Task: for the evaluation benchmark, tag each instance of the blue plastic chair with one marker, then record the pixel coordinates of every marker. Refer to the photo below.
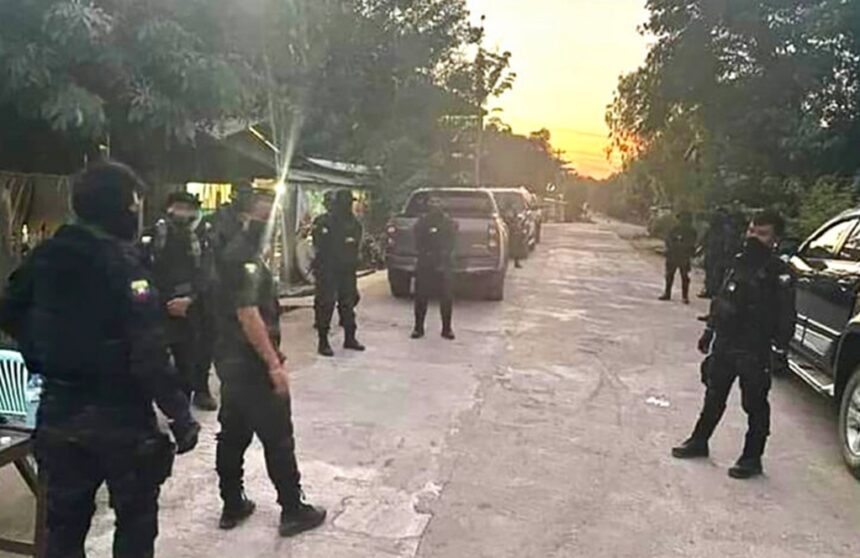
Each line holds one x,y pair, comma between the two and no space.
14,400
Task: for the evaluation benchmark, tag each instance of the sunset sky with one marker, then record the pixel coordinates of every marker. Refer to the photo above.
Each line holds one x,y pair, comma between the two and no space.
568,55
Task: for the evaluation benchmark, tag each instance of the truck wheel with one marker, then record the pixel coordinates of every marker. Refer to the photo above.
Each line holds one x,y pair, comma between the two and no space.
849,424
496,286
400,282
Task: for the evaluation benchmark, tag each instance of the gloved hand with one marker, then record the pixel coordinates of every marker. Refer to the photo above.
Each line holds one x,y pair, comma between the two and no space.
705,341
186,434
778,362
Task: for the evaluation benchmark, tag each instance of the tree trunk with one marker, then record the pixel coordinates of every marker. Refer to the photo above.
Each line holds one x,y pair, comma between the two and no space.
7,257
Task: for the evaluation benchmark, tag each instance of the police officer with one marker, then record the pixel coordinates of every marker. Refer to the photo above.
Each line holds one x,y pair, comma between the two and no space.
206,333
753,312
176,256
435,240
680,249
716,252
86,314
337,239
519,246
255,388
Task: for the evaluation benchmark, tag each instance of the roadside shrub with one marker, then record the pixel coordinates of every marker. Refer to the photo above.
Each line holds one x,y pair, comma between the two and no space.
828,197
660,226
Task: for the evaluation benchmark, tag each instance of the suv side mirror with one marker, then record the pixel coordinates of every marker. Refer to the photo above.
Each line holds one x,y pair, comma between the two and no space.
788,247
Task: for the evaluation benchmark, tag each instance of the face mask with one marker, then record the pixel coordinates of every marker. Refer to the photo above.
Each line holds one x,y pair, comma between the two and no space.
181,220
755,250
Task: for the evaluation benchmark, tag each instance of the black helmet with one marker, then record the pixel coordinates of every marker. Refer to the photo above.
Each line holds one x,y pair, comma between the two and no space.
183,197
343,200
106,195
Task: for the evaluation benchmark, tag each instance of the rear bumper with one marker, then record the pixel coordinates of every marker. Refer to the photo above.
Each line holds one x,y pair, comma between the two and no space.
469,266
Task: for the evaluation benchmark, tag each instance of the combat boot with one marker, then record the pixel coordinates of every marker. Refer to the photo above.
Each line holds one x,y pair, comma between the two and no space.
691,449
234,513
300,518
746,469
324,347
350,342
418,333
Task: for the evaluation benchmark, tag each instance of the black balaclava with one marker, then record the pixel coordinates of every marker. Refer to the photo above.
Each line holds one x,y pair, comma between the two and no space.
342,204
103,195
755,250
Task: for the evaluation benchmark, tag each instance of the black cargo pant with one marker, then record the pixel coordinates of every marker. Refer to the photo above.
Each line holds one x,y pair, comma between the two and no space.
719,373
204,344
250,407
182,339
431,282
715,270
134,465
336,288
673,266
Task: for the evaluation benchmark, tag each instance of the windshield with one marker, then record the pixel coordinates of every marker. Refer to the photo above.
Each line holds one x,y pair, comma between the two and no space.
510,199
457,204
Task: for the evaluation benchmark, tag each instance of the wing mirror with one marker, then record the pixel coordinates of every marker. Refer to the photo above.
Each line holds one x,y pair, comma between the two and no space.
788,247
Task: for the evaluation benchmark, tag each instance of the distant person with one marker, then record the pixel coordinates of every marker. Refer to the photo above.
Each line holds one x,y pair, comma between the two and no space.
176,254
435,242
337,239
87,316
255,382
680,249
717,251
518,237
753,312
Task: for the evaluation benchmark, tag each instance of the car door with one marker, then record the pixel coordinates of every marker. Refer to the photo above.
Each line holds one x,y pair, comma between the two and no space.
827,270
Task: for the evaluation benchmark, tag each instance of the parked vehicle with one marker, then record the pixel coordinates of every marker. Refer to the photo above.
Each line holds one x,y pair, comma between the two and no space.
826,346
527,207
482,243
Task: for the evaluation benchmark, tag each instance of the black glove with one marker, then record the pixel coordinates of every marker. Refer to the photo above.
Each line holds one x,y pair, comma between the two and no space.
778,361
705,341
186,434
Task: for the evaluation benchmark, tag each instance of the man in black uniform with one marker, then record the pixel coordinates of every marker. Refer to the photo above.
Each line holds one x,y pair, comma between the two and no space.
753,313
88,319
337,239
717,256
518,243
680,249
255,388
435,240
176,255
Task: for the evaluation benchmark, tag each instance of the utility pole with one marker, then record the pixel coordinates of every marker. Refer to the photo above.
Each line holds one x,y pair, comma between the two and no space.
481,96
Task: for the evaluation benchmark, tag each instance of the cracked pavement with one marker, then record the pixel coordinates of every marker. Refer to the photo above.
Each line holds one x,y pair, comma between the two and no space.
543,431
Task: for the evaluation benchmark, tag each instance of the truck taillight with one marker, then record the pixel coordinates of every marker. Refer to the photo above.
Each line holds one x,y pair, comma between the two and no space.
493,236
392,232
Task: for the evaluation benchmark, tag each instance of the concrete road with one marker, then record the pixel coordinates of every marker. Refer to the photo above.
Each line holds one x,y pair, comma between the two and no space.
543,431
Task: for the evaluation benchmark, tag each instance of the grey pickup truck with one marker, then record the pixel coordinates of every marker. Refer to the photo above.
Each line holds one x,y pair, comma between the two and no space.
482,241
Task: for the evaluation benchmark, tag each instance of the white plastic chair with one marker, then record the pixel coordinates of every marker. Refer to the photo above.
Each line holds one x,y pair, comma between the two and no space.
14,402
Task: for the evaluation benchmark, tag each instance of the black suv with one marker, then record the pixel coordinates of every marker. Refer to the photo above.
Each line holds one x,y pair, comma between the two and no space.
826,346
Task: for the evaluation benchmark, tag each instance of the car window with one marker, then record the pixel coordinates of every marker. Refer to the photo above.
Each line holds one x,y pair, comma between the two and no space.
456,204
851,249
510,199
827,243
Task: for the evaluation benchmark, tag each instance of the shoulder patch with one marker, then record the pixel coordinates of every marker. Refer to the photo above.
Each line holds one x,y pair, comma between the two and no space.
141,289
251,268
785,279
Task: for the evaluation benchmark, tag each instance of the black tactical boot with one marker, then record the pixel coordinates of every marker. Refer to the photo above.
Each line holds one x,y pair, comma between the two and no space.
418,333
204,401
324,347
303,517
448,334
350,342
746,469
691,449
234,513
